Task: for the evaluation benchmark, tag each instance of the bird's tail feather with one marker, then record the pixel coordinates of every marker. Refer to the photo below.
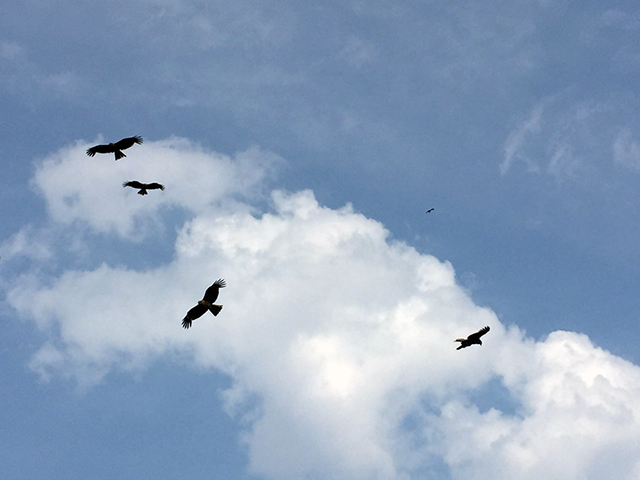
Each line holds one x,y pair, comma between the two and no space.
119,154
215,309
142,192
459,339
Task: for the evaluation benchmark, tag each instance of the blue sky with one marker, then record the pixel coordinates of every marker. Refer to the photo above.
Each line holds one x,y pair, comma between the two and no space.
300,146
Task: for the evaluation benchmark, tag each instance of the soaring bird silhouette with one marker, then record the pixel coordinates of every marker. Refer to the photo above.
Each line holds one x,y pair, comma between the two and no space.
143,186
115,147
210,296
430,210
473,339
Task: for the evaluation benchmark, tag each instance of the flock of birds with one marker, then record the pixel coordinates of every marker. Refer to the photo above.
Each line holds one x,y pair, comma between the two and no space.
211,294
116,149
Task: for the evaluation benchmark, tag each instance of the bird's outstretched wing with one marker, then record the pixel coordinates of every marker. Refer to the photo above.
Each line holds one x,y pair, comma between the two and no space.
194,313
128,142
478,334
211,294
154,186
134,184
100,149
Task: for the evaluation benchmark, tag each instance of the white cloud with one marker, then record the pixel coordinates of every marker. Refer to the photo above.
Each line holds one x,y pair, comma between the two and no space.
80,188
337,339
578,419
29,244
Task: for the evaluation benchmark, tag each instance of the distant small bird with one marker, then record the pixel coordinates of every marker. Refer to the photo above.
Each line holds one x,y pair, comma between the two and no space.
143,186
115,147
473,339
210,296
430,210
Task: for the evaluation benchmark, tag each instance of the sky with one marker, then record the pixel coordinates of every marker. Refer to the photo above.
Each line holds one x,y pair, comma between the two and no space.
301,144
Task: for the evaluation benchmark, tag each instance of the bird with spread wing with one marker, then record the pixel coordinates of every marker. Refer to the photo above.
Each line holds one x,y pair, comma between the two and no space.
143,186
210,296
115,148
473,339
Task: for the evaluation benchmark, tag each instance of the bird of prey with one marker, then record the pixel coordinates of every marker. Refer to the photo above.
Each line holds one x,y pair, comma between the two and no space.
473,339
430,210
143,186
115,148
205,304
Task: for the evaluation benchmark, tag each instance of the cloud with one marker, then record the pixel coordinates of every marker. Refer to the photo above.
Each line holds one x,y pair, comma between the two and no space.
577,419
29,244
337,339
569,138
516,140
22,75
73,185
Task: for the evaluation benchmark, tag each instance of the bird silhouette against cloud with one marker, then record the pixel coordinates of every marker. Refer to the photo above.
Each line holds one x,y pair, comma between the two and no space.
473,339
210,296
116,148
143,186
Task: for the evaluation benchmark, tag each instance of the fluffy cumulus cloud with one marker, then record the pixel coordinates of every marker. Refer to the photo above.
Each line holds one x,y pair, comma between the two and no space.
78,188
337,339
577,418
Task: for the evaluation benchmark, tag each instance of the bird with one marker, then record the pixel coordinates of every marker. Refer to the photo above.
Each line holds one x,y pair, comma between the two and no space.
210,296
115,148
143,186
430,210
473,339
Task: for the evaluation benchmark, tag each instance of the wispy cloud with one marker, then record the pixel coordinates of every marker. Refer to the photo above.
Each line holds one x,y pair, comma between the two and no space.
570,138
626,151
22,74
517,138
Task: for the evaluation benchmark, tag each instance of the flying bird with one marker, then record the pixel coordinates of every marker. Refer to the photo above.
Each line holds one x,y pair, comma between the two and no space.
143,186
115,148
473,339
430,210
205,304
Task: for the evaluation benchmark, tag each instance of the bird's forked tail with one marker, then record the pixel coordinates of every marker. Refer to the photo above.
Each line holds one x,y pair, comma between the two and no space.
215,309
